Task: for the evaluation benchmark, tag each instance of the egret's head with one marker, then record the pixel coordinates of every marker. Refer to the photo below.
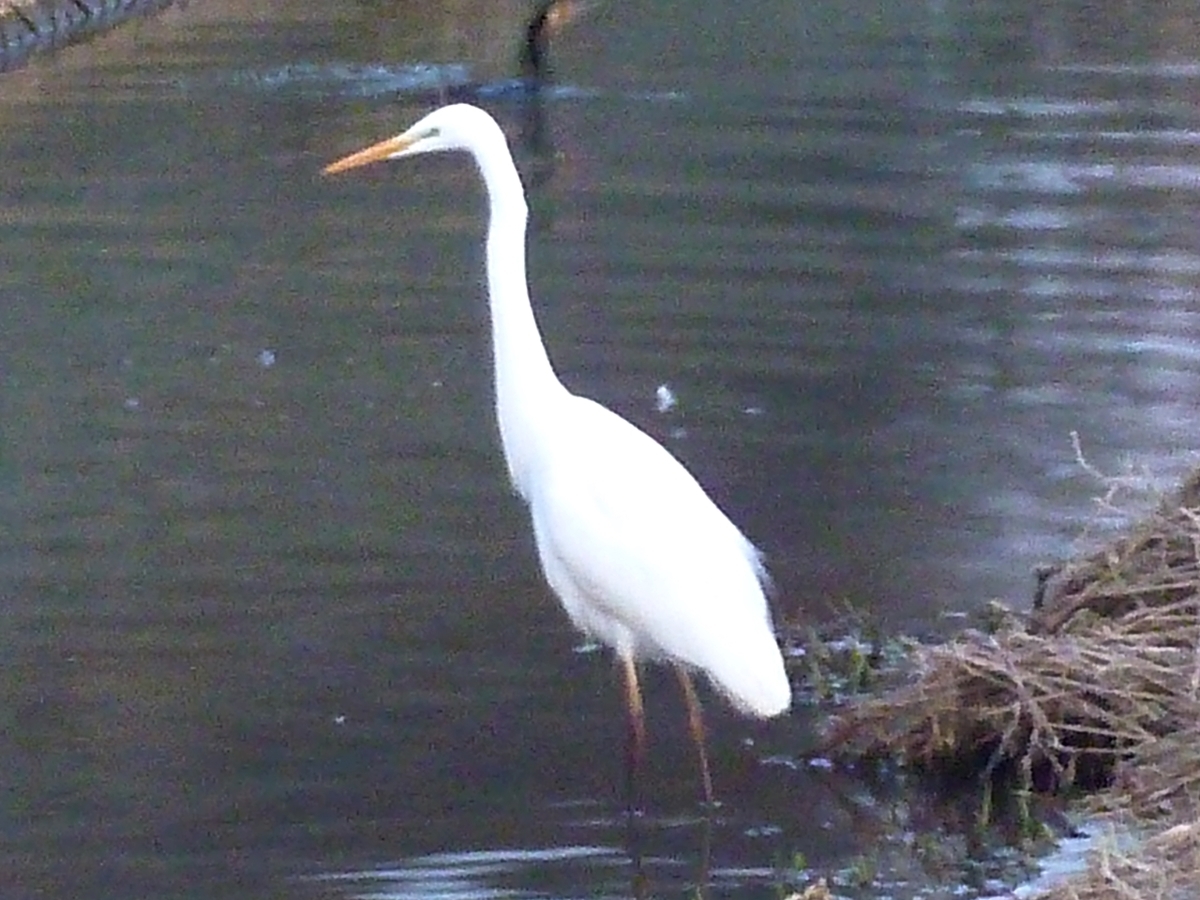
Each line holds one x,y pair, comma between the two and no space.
457,127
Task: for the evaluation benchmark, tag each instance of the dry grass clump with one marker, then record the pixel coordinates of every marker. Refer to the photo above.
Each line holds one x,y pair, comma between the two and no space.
1062,708
1165,866
1100,688
1156,564
1107,667
1161,781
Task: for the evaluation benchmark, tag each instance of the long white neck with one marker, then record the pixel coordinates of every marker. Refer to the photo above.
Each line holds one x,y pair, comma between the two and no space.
526,386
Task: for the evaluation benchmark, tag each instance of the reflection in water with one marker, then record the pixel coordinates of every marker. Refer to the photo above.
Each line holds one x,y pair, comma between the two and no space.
438,83
561,871
345,79
487,874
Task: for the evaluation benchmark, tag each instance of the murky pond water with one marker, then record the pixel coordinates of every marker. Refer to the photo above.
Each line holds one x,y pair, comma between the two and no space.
271,622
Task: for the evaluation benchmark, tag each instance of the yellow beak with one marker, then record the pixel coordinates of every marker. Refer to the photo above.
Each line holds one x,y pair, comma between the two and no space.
371,154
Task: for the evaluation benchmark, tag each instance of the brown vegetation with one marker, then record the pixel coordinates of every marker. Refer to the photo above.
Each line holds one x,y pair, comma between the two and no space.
1098,690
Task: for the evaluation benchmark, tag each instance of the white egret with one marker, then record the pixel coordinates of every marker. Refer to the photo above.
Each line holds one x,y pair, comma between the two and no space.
640,557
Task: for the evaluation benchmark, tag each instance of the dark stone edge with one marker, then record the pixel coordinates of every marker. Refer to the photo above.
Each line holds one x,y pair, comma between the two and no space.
33,26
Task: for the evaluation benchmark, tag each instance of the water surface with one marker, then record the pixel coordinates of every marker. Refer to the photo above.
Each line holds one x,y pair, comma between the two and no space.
272,623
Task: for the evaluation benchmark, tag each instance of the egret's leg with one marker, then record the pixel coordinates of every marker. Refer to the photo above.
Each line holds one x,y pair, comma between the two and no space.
696,724
636,749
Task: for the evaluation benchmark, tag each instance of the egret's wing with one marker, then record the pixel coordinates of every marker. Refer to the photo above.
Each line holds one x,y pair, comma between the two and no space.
627,535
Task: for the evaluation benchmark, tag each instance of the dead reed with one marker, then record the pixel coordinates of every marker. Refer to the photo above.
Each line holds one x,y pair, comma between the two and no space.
1097,689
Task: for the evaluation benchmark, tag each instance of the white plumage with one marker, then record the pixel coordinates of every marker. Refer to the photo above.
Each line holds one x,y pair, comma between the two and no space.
640,557
644,561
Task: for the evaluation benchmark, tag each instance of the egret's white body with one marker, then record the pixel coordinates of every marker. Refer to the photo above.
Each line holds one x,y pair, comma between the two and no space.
645,562
640,557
